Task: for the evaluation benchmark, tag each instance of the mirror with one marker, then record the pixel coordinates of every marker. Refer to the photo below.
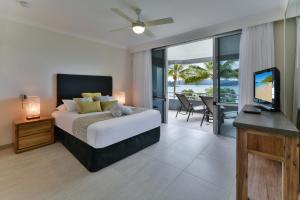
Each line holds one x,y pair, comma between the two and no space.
292,59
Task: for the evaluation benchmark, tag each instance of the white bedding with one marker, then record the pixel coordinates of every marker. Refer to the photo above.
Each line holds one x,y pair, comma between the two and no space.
104,133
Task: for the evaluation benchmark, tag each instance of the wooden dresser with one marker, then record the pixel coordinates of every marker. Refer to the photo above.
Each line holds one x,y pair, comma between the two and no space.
267,160
31,134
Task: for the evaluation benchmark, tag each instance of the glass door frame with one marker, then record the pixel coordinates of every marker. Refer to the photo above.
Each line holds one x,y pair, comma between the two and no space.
163,98
216,80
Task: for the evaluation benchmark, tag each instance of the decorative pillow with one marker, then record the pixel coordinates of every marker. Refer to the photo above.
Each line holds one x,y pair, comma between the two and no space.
116,111
85,99
126,110
62,107
107,105
92,95
79,100
103,98
88,107
70,105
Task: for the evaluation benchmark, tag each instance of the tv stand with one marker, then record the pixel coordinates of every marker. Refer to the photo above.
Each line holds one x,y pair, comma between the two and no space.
267,160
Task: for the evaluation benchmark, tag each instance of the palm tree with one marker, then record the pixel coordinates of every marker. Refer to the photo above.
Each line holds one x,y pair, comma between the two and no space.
226,70
176,71
195,74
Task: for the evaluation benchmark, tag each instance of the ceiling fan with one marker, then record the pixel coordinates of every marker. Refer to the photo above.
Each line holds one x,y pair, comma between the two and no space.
138,26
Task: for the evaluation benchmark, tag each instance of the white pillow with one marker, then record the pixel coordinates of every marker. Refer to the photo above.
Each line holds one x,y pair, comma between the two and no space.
62,107
70,105
104,98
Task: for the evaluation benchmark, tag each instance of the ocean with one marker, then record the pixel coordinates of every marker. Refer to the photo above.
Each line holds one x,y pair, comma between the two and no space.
199,88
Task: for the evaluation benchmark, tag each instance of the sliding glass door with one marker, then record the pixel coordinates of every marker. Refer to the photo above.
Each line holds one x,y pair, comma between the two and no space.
159,82
226,82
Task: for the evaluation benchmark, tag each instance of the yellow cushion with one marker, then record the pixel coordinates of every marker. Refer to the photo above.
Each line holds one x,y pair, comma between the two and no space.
88,107
107,105
92,95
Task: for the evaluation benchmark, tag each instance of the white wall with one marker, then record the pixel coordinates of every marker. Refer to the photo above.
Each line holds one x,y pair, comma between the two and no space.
30,57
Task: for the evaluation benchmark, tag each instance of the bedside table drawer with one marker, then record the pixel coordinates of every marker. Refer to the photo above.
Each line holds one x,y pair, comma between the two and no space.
34,128
33,140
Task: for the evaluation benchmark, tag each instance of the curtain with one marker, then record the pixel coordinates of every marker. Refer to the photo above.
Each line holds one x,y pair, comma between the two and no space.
256,53
142,79
297,74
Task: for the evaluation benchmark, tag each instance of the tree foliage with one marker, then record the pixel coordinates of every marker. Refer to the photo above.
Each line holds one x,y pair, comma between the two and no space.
194,73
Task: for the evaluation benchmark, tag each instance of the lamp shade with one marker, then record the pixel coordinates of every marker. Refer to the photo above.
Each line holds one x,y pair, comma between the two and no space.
138,29
120,96
32,107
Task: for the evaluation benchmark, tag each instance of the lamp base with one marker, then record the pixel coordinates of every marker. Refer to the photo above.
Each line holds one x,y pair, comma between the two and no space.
33,117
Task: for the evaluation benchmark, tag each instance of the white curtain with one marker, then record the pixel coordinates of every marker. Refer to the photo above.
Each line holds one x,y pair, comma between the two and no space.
142,79
256,53
297,74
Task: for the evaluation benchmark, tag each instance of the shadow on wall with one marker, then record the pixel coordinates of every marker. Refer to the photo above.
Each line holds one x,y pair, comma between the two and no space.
10,109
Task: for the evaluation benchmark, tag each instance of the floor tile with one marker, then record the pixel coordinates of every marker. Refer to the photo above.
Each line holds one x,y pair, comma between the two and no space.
148,183
213,171
188,187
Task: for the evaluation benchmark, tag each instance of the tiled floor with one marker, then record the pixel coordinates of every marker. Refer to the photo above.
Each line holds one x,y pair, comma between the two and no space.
186,164
226,128
194,121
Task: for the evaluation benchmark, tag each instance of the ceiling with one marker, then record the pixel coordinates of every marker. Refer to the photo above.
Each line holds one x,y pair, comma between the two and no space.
93,19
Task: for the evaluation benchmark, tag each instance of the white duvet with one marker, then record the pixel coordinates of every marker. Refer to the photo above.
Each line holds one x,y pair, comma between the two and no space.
104,133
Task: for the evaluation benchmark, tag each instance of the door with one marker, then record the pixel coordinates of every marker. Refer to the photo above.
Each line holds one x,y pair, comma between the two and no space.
226,88
159,82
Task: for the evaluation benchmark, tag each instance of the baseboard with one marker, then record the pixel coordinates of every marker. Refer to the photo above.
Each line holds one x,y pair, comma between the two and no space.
5,146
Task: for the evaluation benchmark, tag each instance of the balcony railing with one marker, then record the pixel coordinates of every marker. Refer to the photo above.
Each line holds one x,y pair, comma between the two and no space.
224,97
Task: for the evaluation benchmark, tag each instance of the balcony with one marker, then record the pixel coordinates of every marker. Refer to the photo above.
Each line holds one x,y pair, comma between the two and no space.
230,113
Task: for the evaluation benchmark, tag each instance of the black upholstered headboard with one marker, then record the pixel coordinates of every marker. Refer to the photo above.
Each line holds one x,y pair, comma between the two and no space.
71,86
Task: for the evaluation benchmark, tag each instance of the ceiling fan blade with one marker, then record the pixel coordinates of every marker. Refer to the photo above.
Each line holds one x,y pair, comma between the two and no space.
120,29
121,14
168,20
149,33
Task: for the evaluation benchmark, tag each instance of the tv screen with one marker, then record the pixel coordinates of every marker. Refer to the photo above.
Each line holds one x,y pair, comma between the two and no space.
264,86
267,88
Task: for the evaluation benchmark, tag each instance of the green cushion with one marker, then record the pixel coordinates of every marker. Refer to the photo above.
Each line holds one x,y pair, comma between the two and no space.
88,107
107,105
92,95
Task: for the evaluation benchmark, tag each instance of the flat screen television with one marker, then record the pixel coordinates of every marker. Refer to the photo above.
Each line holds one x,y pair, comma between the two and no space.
267,89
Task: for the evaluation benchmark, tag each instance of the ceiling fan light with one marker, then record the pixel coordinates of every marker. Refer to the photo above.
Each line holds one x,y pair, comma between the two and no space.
138,28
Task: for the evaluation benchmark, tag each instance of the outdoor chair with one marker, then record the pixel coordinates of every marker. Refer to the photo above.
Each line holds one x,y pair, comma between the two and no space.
186,105
209,109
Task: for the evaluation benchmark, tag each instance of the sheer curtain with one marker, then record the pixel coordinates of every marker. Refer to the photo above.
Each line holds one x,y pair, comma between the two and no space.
297,74
142,79
256,53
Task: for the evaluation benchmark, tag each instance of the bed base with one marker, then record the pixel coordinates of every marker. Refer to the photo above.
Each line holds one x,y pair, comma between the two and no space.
95,159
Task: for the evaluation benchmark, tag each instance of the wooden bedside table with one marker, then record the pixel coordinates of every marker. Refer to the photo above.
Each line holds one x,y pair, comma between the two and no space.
31,134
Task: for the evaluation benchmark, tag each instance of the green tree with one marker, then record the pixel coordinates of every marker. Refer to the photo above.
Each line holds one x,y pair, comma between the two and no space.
227,95
195,74
226,70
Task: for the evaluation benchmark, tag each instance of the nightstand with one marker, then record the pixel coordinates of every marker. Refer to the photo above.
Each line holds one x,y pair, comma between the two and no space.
31,134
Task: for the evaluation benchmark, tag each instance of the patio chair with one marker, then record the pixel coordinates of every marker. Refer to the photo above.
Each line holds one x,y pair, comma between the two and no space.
186,105
209,109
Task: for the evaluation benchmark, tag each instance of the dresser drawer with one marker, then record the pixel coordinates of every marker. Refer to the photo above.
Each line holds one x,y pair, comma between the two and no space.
36,139
35,128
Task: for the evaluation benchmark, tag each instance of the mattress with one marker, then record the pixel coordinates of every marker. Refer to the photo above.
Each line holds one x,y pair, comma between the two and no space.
104,133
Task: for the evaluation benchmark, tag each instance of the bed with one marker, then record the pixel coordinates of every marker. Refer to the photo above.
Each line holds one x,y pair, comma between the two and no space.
106,141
